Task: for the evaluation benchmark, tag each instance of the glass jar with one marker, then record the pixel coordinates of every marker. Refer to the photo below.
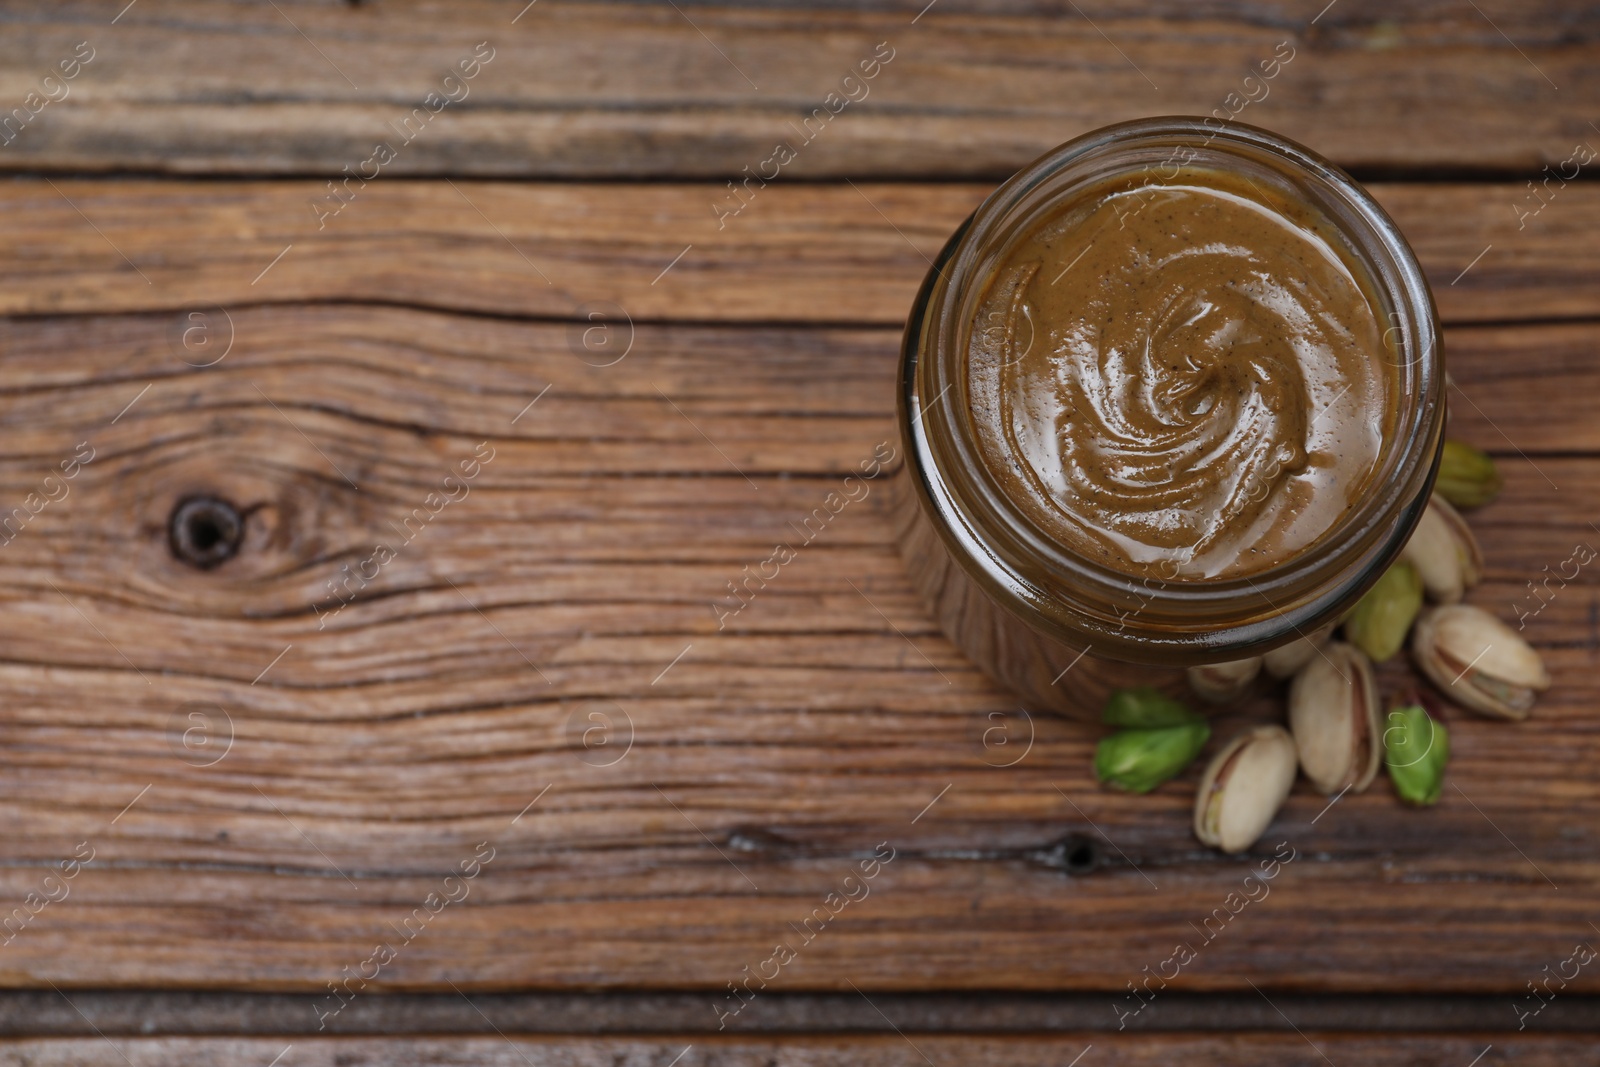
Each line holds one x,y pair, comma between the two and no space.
1054,626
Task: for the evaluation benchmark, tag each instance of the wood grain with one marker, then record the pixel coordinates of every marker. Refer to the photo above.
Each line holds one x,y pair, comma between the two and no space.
851,253
260,782
375,748
637,90
44,1012
1242,1050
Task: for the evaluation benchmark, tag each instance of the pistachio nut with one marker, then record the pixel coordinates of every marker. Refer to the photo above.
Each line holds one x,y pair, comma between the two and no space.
1146,708
1286,661
1444,552
1478,661
1243,788
1416,748
1221,682
1140,760
1333,714
1467,477
1381,619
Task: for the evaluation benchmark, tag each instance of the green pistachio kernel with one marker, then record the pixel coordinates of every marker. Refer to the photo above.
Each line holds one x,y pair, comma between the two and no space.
1145,708
1416,749
1467,477
1381,620
1140,760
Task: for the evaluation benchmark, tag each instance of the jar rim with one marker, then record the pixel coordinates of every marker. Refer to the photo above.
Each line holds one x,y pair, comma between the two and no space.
1088,604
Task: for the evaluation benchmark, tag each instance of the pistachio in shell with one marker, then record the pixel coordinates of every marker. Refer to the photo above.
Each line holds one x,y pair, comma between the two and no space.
1285,661
1219,683
1243,788
1467,478
1444,552
1381,619
1333,714
1478,661
1416,748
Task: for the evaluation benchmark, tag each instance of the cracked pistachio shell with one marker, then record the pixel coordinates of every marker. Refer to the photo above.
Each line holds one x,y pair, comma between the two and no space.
1333,714
1478,661
1444,552
1467,477
1221,682
1381,619
1416,749
1243,788
1286,660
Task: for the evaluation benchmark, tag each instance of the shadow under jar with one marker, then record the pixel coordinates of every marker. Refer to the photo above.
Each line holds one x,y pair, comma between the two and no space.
1173,395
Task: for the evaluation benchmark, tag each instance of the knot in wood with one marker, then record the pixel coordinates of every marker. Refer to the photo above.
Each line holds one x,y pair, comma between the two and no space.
204,531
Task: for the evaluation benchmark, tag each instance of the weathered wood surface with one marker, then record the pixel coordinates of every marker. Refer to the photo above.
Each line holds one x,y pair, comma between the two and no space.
915,1050
46,1012
850,253
647,90
259,789
767,762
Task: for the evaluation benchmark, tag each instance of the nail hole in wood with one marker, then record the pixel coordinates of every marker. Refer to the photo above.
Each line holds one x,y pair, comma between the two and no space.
1082,856
1076,855
204,531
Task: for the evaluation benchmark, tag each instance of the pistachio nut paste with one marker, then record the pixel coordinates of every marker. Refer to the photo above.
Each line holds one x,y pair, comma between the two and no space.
1180,378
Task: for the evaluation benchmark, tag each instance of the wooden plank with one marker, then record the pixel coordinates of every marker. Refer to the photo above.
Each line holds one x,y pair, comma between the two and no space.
1241,1050
798,253
1537,378
44,1012
375,747
636,90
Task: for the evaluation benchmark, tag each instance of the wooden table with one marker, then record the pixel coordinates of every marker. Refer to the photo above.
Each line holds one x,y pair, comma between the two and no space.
507,783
